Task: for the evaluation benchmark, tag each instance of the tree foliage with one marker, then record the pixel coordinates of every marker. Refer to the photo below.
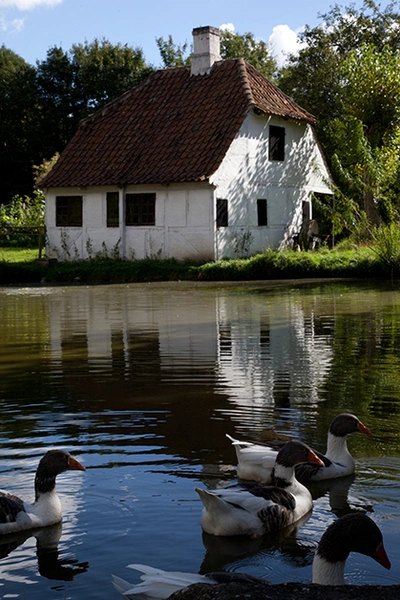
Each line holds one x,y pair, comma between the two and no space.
40,108
21,144
173,55
75,83
232,45
255,52
347,74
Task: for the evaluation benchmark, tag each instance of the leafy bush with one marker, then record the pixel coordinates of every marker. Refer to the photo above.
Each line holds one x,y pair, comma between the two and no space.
386,244
19,217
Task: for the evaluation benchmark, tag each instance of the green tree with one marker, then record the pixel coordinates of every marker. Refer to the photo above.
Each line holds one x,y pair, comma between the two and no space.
255,52
173,55
366,139
77,82
313,77
21,143
232,45
346,74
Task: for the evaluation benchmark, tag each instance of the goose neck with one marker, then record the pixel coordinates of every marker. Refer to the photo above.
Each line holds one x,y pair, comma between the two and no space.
327,573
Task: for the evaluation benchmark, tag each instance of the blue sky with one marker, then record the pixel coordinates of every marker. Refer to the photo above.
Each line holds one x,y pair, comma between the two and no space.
31,27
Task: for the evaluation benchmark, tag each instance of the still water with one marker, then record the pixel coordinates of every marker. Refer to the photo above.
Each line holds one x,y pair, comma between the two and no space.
142,382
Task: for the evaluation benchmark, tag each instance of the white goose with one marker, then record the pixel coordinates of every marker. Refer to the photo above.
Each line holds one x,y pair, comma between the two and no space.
256,461
351,533
17,515
253,509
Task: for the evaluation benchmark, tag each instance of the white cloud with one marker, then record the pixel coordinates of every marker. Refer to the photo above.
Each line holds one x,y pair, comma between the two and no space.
27,4
283,41
14,26
228,27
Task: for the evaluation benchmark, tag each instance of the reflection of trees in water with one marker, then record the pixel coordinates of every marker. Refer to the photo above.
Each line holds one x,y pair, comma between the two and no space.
51,564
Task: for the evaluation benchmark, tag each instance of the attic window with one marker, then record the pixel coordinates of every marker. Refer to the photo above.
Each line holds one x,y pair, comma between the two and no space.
276,143
140,209
68,211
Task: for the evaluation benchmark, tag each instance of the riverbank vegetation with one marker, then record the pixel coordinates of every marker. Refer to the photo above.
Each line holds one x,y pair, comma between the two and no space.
377,261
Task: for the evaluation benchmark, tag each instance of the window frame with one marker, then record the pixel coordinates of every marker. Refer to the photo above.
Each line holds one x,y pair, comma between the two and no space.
276,143
140,209
71,214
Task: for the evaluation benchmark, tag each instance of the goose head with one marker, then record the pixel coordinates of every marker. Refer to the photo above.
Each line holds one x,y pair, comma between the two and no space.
346,423
354,532
292,454
52,464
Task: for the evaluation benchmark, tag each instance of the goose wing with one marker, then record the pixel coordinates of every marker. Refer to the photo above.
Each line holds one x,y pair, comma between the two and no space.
273,493
10,506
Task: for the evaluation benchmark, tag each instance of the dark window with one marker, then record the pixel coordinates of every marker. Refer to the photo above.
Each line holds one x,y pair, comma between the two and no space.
68,211
140,209
222,212
276,143
306,210
262,215
112,209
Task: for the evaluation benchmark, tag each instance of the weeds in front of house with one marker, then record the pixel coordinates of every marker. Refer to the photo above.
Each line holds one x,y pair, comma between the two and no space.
363,262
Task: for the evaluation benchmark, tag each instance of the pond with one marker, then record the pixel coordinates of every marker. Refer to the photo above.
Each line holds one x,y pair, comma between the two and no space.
142,382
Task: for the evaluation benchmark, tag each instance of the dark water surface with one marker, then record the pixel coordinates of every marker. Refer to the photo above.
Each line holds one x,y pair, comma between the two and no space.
141,383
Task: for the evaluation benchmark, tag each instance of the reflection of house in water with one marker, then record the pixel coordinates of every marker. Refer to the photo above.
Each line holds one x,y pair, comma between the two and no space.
257,349
270,351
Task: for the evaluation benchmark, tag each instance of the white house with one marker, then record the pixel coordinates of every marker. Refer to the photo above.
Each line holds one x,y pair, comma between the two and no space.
199,163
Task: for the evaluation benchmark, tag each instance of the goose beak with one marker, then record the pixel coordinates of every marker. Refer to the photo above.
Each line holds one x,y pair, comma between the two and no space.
362,429
381,557
313,458
74,465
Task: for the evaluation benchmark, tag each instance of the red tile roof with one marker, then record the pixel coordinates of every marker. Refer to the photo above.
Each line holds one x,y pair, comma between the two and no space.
173,127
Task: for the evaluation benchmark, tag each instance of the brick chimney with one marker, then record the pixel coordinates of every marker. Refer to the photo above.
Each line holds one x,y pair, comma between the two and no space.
205,49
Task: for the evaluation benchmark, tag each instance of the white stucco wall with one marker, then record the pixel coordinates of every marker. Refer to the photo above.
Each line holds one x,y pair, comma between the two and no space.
184,225
246,175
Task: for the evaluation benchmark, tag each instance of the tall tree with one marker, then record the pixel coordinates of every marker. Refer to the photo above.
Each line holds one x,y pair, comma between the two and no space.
83,79
366,138
345,74
21,143
313,76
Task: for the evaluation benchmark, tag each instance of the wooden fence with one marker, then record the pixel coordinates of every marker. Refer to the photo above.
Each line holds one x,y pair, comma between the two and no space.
9,233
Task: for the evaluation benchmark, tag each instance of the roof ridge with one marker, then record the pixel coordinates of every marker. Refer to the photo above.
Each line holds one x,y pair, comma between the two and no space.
246,83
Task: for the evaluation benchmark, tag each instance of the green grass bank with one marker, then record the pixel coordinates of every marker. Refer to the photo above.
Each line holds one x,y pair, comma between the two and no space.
22,266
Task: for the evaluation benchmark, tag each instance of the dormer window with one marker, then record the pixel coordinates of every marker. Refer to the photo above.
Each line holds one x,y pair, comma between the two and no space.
276,143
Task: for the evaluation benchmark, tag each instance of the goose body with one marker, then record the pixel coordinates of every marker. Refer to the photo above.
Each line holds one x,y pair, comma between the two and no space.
351,533
251,509
18,515
256,461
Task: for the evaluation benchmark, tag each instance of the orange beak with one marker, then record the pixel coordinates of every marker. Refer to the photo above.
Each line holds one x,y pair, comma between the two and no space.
381,557
313,458
362,429
74,465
